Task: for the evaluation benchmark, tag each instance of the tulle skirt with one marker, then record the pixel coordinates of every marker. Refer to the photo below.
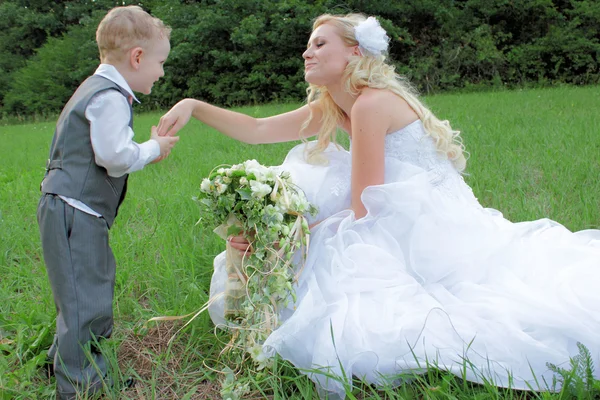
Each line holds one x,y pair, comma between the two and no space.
429,278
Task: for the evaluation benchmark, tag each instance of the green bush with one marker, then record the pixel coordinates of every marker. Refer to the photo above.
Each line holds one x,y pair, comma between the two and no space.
48,80
233,52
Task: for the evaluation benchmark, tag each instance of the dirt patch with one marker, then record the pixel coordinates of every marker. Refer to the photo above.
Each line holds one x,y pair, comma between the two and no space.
160,367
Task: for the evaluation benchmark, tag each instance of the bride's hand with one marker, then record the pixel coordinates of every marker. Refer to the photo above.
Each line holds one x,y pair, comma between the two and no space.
176,118
241,244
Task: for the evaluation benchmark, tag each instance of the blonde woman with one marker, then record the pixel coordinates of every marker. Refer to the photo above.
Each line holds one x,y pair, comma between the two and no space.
405,267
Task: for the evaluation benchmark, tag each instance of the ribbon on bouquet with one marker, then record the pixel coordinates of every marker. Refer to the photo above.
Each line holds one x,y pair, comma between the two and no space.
235,286
178,317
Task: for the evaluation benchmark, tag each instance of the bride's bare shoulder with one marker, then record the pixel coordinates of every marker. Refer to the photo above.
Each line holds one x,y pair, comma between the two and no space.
385,101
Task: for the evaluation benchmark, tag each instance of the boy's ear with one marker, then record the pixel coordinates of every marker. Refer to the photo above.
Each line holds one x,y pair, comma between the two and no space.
135,57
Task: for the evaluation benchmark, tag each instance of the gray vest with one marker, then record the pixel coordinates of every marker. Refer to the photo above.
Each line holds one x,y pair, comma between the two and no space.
71,170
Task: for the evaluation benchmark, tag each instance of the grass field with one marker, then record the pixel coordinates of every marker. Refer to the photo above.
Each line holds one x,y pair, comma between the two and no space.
533,154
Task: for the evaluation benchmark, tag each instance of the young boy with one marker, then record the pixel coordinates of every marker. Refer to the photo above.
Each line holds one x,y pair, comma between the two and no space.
91,155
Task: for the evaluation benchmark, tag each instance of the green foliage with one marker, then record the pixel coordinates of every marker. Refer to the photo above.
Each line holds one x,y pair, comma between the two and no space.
579,380
233,52
25,354
25,25
49,78
22,30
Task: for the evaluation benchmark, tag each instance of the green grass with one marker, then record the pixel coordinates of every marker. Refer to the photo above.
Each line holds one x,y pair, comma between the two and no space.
533,154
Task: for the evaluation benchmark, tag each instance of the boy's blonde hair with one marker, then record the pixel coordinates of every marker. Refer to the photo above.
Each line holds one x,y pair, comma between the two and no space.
373,71
126,27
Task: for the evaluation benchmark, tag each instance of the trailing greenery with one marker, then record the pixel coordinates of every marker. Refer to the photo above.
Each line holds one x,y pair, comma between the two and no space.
234,52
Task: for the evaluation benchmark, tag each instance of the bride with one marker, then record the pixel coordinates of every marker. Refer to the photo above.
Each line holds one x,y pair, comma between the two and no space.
405,268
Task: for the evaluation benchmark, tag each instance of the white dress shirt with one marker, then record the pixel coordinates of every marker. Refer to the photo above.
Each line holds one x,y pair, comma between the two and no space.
111,136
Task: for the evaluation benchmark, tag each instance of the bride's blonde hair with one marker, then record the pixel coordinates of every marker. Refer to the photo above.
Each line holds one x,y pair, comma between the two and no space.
372,71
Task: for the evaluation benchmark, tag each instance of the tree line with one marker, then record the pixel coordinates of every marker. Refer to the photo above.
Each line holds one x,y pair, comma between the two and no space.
233,52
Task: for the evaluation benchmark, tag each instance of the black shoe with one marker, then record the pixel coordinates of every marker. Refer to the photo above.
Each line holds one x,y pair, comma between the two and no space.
128,383
48,368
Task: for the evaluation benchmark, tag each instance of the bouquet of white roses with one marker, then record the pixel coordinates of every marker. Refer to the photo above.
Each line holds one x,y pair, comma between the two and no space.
263,204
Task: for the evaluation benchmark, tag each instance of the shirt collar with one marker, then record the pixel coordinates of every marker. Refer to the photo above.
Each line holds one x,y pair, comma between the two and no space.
111,73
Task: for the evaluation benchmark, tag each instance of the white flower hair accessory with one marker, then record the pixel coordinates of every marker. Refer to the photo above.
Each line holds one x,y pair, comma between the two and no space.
371,37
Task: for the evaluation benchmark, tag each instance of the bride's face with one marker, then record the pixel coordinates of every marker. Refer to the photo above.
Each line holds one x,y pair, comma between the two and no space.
326,56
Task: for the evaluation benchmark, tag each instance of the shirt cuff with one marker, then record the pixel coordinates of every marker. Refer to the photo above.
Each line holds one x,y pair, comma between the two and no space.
149,150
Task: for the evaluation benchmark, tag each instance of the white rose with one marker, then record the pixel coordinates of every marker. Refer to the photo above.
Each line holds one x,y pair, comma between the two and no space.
221,187
205,185
251,164
259,173
259,190
270,174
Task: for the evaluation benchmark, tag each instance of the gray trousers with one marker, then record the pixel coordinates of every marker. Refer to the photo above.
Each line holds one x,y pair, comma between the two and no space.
81,269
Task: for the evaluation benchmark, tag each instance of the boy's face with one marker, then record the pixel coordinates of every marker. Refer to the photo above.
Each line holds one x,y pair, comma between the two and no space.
150,65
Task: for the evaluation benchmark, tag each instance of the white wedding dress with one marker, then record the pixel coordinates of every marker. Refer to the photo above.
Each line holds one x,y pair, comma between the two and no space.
430,277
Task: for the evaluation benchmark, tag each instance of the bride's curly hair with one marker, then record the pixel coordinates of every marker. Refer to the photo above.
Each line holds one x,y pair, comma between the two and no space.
373,71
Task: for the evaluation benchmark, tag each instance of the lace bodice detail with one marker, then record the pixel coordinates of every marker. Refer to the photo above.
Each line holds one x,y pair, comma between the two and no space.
412,145
410,155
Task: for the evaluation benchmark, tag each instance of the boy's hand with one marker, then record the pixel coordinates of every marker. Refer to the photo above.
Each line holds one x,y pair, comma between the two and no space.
175,118
166,143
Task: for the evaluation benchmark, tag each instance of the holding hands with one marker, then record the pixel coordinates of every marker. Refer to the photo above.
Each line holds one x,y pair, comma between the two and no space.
169,125
166,143
176,118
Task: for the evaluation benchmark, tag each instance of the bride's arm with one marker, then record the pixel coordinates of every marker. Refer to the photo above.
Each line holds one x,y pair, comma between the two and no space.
370,122
278,128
